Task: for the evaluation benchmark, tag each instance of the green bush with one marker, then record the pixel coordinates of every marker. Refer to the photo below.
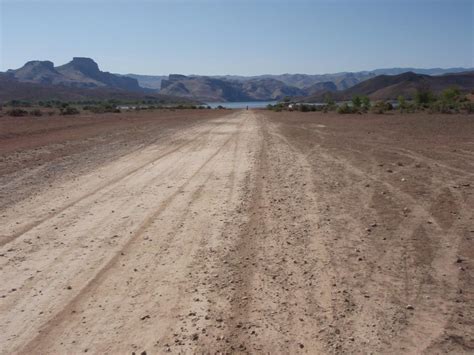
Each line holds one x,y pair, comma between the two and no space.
277,107
346,108
36,112
365,103
304,108
360,103
381,107
17,112
68,110
467,107
102,108
451,95
357,101
424,96
18,103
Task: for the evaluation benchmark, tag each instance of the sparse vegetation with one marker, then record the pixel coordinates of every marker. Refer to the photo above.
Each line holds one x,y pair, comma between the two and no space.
17,112
69,110
380,107
36,112
102,108
345,108
424,97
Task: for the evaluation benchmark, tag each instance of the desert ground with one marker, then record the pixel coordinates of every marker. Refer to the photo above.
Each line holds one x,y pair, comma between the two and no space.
228,231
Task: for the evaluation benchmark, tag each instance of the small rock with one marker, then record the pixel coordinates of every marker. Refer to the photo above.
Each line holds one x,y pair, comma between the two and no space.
410,307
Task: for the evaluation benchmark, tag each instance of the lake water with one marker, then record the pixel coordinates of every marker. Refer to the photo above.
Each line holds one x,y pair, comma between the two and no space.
241,105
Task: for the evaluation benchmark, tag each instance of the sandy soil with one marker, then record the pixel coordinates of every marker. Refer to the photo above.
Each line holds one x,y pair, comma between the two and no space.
237,232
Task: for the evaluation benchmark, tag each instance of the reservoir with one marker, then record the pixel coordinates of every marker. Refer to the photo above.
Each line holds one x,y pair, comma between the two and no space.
242,105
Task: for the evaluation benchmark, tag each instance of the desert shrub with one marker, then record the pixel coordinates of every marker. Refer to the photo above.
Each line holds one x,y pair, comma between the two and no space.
424,96
17,112
102,108
467,107
69,110
328,99
19,103
365,101
346,108
402,103
451,95
36,112
357,101
404,106
381,107
304,108
360,103
277,107
450,101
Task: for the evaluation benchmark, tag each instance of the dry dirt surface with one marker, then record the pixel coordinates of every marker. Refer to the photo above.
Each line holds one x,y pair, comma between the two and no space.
237,232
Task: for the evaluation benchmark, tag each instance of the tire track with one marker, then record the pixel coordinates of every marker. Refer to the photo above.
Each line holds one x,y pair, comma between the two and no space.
106,185
101,274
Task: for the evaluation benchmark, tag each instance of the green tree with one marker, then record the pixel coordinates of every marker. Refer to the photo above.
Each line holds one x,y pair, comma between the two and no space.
402,103
328,99
451,95
424,96
365,101
356,101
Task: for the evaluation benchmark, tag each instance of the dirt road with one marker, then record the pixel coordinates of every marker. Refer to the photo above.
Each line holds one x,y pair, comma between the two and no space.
237,231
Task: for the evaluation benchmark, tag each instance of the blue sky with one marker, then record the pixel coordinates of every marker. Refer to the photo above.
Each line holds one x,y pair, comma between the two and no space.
239,37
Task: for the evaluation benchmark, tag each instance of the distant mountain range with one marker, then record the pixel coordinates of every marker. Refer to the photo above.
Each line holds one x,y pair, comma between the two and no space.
343,80
12,89
79,73
82,78
212,89
392,86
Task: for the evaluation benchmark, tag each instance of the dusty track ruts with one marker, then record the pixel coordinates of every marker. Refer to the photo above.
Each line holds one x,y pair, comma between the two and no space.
253,232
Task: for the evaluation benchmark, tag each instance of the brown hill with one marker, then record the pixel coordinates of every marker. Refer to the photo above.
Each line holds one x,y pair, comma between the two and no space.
211,89
80,73
391,86
12,89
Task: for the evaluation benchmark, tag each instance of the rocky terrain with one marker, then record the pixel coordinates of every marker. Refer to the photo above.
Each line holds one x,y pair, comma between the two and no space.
217,90
385,87
12,89
84,73
210,231
80,73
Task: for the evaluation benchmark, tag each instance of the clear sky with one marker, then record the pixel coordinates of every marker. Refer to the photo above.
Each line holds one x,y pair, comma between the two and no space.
239,37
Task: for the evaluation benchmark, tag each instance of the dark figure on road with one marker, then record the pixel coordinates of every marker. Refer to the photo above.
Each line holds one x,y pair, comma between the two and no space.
247,108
